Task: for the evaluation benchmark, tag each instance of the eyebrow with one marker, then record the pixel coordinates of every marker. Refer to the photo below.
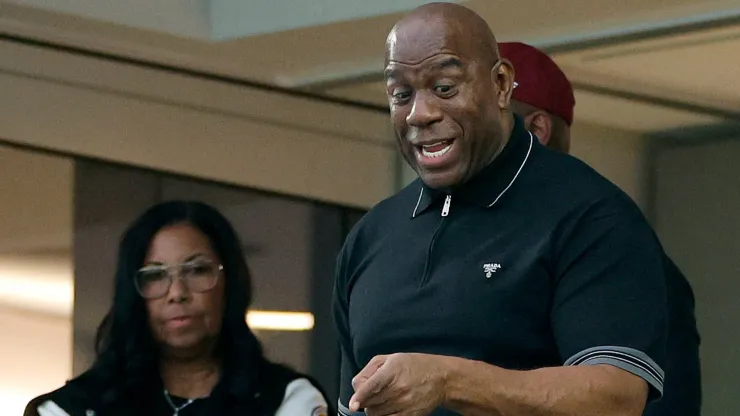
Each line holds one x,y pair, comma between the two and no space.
448,63
453,63
196,256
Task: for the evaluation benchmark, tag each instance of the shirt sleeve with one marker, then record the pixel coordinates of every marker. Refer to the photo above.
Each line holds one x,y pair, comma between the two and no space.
302,398
609,304
340,306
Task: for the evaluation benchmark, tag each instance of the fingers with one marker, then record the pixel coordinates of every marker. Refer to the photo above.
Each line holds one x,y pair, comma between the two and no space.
368,371
370,392
369,384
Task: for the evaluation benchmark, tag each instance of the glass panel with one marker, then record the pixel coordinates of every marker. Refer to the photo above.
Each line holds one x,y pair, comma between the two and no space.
107,199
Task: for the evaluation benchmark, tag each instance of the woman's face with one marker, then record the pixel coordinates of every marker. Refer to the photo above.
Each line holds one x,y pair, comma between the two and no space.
185,318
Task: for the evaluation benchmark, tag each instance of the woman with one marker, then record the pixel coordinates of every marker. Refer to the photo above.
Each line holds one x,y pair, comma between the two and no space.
175,341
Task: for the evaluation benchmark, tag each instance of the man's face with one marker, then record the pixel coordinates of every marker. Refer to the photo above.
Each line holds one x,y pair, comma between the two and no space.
445,102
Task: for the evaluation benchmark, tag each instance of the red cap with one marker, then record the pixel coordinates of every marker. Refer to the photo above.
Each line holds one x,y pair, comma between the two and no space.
539,81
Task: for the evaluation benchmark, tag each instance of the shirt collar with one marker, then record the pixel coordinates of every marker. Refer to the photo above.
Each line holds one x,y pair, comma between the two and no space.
489,185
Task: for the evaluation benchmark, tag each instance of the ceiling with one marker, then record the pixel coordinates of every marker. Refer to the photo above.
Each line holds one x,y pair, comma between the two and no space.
661,82
644,65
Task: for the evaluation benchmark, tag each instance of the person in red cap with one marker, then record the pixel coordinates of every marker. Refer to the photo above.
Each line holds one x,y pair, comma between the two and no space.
543,96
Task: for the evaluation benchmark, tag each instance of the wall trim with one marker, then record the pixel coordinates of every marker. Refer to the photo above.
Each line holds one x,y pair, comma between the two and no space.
155,119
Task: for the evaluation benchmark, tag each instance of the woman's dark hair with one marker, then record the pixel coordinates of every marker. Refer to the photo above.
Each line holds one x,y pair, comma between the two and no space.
127,356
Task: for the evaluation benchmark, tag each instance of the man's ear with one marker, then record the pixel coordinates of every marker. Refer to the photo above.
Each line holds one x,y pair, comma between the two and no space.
502,76
540,124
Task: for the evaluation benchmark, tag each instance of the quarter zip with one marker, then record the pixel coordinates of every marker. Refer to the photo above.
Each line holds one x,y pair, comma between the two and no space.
446,206
435,236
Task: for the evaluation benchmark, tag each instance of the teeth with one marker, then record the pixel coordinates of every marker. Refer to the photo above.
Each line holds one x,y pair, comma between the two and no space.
438,153
436,144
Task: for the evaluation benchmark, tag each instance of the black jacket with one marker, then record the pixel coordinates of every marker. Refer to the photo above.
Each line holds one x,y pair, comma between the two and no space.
260,398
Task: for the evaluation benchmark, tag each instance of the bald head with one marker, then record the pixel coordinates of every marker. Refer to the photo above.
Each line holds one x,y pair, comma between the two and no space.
445,26
448,93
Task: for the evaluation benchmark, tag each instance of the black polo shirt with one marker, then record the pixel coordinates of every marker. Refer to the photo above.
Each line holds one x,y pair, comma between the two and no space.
682,392
537,261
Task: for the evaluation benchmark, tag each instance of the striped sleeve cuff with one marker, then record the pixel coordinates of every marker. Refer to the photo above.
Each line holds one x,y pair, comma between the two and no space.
344,411
628,359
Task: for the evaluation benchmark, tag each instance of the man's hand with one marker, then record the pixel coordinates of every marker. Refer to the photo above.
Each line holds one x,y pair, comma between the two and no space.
400,385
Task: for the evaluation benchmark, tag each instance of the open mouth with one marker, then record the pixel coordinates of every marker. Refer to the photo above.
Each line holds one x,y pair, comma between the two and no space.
436,149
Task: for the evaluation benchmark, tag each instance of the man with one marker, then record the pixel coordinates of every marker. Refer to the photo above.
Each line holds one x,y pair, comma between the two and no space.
463,293
544,97
546,100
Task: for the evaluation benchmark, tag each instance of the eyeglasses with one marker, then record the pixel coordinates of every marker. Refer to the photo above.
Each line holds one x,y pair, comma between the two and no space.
154,282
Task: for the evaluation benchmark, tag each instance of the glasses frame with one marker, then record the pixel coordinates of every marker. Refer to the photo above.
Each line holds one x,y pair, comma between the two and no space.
176,270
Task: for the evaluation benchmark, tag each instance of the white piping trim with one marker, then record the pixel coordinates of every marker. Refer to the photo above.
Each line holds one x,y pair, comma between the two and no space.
418,202
531,142
619,353
631,360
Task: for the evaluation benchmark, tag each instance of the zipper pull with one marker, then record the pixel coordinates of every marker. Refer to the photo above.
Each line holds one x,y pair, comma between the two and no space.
446,206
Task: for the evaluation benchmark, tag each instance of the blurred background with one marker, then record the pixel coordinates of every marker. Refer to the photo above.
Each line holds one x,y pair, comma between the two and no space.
275,112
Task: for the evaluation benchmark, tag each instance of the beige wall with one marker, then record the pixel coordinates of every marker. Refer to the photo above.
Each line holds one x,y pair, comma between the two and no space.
35,276
202,128
36,358
618,155
696,205
36,206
